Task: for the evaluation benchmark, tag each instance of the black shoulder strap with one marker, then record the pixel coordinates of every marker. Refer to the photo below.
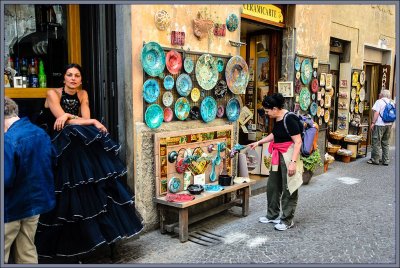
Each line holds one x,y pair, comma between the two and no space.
284,121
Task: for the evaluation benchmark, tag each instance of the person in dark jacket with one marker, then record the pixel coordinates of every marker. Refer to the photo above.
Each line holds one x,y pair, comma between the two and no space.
29,160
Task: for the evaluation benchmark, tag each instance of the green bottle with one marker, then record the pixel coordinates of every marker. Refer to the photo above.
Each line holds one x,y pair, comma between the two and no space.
42,75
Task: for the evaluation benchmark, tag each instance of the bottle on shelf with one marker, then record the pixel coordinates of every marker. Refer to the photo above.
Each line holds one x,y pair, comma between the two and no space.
33,77
42,75
24,72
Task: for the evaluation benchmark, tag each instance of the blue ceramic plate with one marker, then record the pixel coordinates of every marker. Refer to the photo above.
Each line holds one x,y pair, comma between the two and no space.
174,184
305,98
237,75
188,65
207,71
213,187
313,108
232,22
154,116
184,85
220,65
153,59
297,64
208,109
182,108
306,71
151,90
233,109
169,82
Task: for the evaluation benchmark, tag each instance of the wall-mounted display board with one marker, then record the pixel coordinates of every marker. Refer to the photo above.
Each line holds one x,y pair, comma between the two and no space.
197,154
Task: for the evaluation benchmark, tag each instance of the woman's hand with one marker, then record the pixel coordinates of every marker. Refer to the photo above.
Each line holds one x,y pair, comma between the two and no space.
291,168
253,145
99,126
60,121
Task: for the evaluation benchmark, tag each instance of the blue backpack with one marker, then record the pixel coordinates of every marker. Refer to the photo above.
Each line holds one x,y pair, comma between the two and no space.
389,113
309,133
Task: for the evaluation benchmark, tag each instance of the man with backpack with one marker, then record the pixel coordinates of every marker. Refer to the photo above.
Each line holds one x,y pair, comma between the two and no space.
384,114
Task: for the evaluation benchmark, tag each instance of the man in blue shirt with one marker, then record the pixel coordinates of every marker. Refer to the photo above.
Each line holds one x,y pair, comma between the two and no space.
28,182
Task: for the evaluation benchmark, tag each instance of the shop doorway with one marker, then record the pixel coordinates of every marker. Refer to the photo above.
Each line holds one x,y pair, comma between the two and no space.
98,46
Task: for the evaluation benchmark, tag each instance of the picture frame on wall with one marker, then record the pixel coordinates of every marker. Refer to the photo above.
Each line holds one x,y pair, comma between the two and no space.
286,88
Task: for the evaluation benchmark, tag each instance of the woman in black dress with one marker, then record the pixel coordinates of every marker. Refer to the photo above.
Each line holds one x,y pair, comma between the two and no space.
93,204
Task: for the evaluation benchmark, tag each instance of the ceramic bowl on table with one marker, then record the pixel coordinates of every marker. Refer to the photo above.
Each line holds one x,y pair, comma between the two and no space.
195,189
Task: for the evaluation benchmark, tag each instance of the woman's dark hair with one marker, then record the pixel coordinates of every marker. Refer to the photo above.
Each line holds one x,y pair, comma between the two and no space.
274,100
72,65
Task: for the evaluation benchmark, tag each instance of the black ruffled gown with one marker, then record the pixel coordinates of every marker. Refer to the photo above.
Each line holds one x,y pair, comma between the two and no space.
93,204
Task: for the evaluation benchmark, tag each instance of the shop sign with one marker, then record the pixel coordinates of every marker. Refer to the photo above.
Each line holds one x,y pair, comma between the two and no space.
384,76
266,12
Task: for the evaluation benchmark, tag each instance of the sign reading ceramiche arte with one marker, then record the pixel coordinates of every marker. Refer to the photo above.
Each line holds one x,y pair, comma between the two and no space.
266,12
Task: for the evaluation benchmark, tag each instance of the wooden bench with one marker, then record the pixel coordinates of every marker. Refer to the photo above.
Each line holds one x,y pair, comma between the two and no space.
181,227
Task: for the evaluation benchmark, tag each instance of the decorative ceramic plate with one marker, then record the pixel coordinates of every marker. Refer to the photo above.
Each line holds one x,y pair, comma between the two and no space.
328,100
220,111
174,184
297,64
313,108
313,96
220,65
353,93
182,108
233,109
320,121
315,74
237,75
169,82
179,198
232,22
206,71
356,108
322,79
360,107
168,114
167,98
154,116
326,116
322,91
322,102
188,65
319,110
220,89
304,99
151,90
298,75
314,85
213,188
153,59
208,109
173,61
184,85
297,86
328,81
362,94
322,112
362,78
195,112
352,104
195,94
354,79
306,71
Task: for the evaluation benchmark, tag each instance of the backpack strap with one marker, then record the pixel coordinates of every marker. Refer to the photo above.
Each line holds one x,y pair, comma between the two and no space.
284,121
383,108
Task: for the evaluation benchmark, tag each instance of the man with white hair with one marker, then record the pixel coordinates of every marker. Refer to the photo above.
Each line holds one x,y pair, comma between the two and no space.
380,131
29,160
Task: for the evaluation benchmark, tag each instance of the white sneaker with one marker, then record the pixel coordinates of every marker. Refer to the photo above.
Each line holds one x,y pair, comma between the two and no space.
266,220
282,226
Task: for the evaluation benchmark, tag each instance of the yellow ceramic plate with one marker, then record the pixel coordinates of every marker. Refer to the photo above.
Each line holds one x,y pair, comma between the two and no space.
195,94
326,116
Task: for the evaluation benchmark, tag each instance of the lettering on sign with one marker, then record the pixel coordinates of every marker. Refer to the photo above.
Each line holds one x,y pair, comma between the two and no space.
266,12
384,76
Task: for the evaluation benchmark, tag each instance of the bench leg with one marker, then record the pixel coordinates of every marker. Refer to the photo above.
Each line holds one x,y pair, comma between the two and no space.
162,219
183,224
245,201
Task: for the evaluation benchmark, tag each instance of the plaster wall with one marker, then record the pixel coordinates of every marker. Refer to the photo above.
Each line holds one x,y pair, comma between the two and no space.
145,30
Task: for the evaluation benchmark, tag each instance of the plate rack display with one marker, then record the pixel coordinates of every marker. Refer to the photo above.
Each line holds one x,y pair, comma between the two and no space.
189,141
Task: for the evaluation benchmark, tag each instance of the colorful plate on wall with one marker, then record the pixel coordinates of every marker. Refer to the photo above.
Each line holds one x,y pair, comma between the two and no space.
313,108
232,22
326,116
153,59
195,94
297,64
352,104
314,85
322,79
353,93
362,78
184,85
182,108
168,82
151,90
208,109
206,71
220,111
237,75
306,71
220,89
168,114
305,99
220,65
188,65
354,79
362,94
154,116
174,185
233,109
360,107
173,61
167,99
